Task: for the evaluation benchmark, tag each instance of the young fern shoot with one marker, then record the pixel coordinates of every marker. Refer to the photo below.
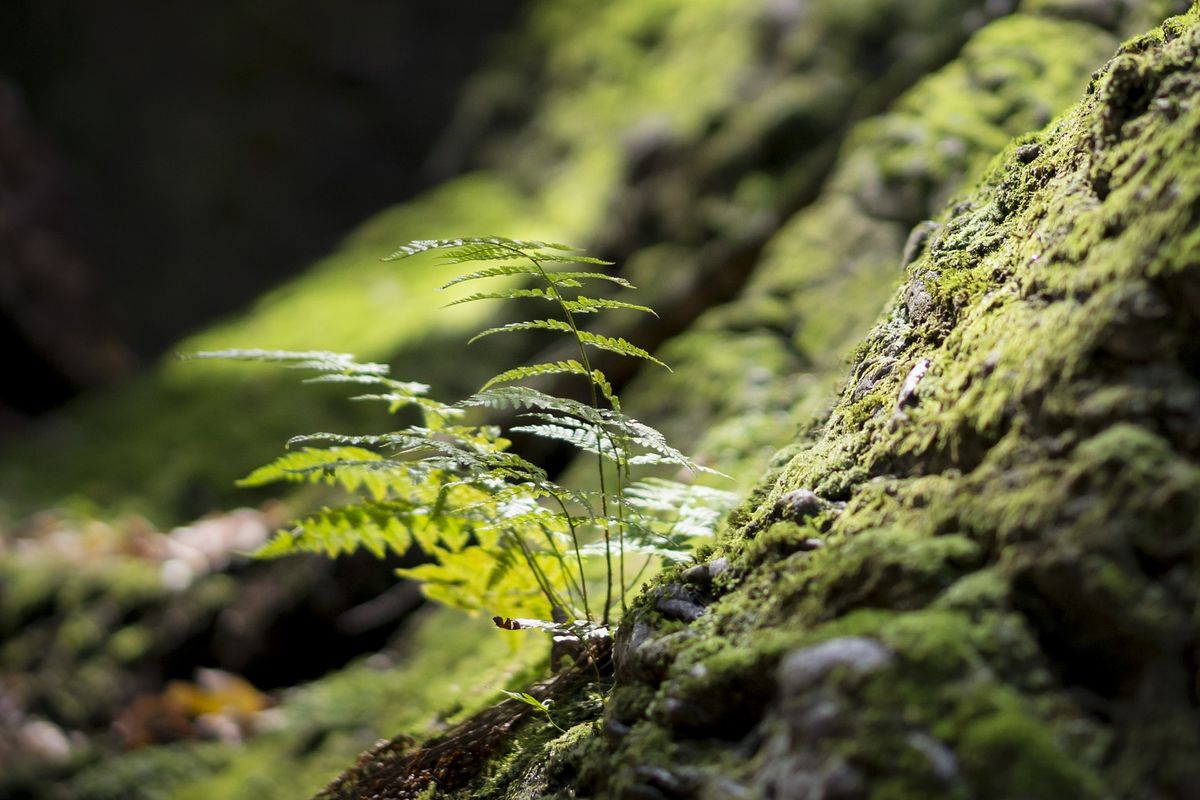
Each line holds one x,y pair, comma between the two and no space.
502,536
556,286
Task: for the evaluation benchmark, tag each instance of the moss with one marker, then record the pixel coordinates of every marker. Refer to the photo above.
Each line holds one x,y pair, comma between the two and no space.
985,589
130,643
1034,766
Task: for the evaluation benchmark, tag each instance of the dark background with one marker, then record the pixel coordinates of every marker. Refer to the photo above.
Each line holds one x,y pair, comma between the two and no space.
162,164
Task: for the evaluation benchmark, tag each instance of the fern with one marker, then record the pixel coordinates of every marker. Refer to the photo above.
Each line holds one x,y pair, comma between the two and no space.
474,249
319,360
353,468
590,305
500,534
553,368
378,527
527,325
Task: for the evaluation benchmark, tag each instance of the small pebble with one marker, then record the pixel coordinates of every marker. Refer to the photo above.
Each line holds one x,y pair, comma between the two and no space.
804,668
908,392
1028,152
798,504
679,609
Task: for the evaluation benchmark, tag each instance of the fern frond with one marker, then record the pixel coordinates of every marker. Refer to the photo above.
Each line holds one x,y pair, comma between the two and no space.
419,246
402,387
569,367
561,278
395,402
480,252
356,440
671,555
525,397
682,510
663,494
528,325
558,278
573,258
500,534
511,294
320,360
314,464
590,305
519,499
374,476
581,439
535,370
580,433
494,272
618,345
651,439
505,252
530,520
600,381
505,561
378,527
461,580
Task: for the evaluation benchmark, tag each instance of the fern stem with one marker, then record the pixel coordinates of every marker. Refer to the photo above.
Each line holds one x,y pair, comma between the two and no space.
538,574
587,609
624,460
570,582
641,571
587,366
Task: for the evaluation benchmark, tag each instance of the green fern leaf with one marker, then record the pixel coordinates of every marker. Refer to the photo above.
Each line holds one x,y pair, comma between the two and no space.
523,397
495,272
378,527
571,259
582,439
590,305
528,325
511,294
305,465
505,561
651,439
397,401
619,346
321,360
673,510
535,370
356,440
485,242
460,580
401,387
670,555
562,278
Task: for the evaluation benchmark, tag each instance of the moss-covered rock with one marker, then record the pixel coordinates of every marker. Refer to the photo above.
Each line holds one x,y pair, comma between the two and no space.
1021,486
